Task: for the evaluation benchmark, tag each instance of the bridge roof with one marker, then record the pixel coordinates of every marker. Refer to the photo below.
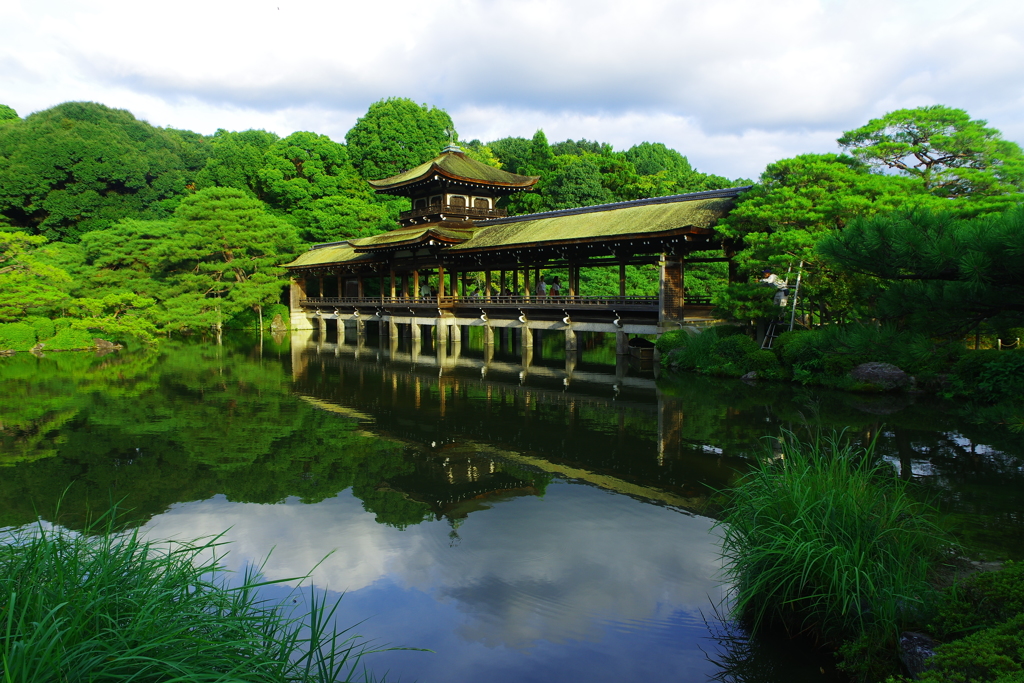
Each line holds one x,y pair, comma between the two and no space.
696,212
605,222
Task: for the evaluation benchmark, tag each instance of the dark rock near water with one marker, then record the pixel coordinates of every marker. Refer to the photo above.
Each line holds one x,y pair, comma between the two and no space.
277,323
750,376
884,376
916,649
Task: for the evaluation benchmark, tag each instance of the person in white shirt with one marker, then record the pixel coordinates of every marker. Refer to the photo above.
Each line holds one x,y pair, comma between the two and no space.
770,279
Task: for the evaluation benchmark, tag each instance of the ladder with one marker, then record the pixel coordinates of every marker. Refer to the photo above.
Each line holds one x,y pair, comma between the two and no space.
775,328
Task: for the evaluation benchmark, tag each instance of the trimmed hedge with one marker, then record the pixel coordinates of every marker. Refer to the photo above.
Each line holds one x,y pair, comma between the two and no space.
17,336
70,339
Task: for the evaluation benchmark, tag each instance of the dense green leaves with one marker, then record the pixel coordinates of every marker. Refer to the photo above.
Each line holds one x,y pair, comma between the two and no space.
28,282
397,134
81,166
943,273
950,154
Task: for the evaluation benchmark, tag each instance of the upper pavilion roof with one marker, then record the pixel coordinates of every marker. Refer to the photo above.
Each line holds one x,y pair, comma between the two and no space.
459,167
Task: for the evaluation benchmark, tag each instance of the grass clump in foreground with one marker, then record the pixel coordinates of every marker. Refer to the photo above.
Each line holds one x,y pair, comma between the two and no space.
822,539
111,606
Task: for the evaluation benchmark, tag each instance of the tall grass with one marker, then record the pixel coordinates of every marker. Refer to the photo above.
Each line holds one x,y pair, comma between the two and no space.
107,606
823,539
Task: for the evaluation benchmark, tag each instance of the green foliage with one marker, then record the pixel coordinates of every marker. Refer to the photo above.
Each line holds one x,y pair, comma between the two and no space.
71,339
671,340
81,166
7,114
103,605
44,327
779,223
397,134
994,654
950,154
942,274
27,281
823,539
988,376
983,599
236,159
17,336
249,320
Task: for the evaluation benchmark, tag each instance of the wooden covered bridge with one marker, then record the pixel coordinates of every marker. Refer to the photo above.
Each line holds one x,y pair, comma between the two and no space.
458,260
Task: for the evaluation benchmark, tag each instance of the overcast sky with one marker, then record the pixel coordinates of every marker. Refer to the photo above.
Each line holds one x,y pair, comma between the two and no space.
732,84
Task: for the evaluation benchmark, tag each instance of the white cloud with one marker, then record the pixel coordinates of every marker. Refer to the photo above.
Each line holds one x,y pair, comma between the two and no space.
733,84
528,569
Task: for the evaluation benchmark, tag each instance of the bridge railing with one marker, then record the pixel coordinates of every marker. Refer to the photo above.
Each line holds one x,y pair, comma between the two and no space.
532,301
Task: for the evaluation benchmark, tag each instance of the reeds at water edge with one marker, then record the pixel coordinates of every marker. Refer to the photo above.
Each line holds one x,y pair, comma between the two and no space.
103,605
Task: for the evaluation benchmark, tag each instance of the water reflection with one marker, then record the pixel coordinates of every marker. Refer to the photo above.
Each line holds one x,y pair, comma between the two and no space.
528,512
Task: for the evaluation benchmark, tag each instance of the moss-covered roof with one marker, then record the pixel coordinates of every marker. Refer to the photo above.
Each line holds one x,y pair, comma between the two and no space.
337,252
445,231
616,221
457,166
695,212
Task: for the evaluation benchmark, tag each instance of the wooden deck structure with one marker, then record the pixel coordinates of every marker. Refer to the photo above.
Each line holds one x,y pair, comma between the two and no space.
483,267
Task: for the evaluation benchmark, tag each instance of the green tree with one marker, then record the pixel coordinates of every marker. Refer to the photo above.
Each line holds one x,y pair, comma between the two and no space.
950,154
81,166
939,272
7,114
779,222
513,153
28,283
223,257
397,134
576,181
236,159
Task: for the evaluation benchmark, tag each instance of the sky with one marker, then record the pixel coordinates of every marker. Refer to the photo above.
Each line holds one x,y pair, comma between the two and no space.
732,84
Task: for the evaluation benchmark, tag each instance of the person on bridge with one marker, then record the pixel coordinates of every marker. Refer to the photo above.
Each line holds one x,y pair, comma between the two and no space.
425,292
556,287
542,287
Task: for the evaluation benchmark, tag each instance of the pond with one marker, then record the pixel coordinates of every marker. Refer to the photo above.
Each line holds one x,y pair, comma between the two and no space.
527,518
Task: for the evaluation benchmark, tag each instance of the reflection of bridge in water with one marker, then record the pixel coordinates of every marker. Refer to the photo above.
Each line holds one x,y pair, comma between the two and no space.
606,426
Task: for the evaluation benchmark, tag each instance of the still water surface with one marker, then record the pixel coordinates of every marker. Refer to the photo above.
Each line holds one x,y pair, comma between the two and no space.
530,518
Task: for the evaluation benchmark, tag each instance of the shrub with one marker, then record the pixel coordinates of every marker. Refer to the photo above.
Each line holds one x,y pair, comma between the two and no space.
698,350
17,336
983,599
989,376
61,324
824,539
44,327
673,339
85,607
71,339
994,654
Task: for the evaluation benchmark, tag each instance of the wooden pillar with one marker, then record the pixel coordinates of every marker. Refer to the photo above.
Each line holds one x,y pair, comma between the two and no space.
515,282
416,285
440,280
622,279
341,287
670,293
487,284
526,281
501,284
359,287
465,291
572,279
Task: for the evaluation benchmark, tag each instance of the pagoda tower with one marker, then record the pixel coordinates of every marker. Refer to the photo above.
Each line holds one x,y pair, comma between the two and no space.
453,188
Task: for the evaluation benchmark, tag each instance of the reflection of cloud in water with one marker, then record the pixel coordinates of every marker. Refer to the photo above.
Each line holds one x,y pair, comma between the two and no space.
553,568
